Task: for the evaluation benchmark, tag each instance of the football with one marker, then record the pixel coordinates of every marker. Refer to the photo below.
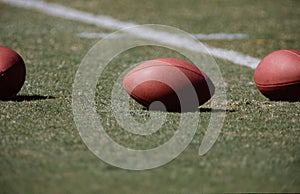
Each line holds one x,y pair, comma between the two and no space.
278,75
12,73
168,84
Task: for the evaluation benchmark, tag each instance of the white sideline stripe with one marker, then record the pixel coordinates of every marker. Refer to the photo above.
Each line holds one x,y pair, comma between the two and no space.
219,36
150,34
98,35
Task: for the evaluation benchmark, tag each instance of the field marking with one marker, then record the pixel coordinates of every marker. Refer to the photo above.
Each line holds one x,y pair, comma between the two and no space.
91,35
113,24
218,36
221,36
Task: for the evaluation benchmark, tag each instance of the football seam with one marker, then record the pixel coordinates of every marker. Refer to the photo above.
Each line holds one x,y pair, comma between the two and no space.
15,63
291,52
201,75
279,84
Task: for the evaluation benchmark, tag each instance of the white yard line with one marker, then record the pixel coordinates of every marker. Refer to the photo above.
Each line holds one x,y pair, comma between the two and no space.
113,24
99,35
221,36
218,36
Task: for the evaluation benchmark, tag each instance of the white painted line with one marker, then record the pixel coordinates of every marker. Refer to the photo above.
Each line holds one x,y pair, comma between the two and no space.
219,36
98,35
111,23
72,14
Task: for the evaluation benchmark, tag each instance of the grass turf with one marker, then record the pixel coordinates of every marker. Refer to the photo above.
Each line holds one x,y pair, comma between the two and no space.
42,152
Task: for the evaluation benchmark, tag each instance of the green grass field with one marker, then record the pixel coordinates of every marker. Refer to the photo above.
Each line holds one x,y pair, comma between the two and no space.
41,150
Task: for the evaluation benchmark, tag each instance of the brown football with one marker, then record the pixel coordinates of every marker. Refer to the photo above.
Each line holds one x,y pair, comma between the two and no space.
12,73
176,84
278,75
